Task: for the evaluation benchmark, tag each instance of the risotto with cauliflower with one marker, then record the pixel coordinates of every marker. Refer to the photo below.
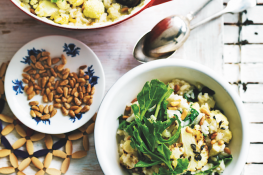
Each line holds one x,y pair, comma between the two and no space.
174,129
82,13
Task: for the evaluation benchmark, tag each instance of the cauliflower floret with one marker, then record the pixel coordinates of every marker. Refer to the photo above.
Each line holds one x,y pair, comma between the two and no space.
76,2
60,19
177,98
62,4
202,99
46,8
205,128
34,3
107,3
128,160
220,168
216,149
93,9
177,152
113,11
194,142
226,135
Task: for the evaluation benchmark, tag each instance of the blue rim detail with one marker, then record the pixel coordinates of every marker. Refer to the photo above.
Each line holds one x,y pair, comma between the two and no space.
71,49
18,86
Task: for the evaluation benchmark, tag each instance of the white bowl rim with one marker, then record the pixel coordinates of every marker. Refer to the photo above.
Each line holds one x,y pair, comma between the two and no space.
178,63
102,79
107,24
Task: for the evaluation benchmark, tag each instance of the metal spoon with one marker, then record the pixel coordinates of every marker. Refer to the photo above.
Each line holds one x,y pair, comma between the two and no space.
171,33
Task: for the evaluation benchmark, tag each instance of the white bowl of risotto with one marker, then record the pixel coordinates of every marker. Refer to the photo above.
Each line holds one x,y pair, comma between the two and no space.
83,14
171,117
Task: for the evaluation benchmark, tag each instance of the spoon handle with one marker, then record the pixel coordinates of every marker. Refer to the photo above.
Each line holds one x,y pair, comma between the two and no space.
208,19
192,15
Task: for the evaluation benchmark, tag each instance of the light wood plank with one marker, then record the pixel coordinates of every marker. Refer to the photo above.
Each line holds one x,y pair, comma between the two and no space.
232,54
255,153
252,33
231,72
254,111
253,93
252,53
253,169
230,34
231,18
252,72
255,14
255,132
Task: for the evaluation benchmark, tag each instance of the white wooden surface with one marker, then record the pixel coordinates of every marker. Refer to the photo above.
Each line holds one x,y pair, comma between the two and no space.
215,45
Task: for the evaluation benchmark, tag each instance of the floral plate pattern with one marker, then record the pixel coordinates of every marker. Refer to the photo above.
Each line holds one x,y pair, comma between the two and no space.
77,54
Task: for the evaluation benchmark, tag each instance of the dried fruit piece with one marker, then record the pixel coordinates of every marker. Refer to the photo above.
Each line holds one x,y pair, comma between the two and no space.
37,163
63,83
25,163
40,172
69,147
78,110
85,109
35,108
33,103
75,136
50,108
20,131
83,67
53,171
33,58
9,128
57,105
64,111
46,111
30,90
53,113
55,60
48,141
6,119
79,154
49,61
71,113
77,101
7,170
45,117
5,152
26,76
65,165
13,160
32,113
81,73
37,137
59,153
60,67
45,99
26,69
19,143
48,160
53,72
86,142
29,147
90,128
66,105
39,65
38,114
59,90
41,108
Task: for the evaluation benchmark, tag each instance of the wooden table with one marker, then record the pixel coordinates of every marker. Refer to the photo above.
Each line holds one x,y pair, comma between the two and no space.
233,50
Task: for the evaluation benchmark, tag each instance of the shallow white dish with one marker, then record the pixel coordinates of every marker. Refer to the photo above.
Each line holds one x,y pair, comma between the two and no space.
129,85
77,54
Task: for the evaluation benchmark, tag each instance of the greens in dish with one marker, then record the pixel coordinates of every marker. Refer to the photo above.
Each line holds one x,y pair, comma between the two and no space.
174,129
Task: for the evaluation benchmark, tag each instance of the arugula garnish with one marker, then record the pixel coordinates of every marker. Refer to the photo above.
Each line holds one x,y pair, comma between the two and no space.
153,93
182,165
191,117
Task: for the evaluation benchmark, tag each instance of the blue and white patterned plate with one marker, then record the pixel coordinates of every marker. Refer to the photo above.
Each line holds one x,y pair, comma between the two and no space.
77,54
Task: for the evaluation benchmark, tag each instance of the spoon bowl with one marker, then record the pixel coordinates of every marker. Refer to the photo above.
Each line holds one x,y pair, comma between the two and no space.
170,33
